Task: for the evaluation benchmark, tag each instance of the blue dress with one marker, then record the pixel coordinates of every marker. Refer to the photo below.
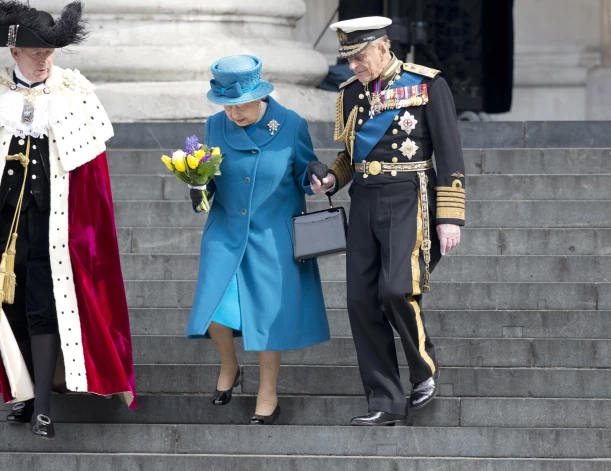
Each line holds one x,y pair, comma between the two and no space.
248,277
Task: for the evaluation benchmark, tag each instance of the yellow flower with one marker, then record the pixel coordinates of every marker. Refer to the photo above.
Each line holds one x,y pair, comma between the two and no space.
199,154
192,161
168,162
179,164
216,151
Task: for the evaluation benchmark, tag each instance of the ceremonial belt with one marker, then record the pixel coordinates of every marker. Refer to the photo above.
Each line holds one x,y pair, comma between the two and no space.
377,168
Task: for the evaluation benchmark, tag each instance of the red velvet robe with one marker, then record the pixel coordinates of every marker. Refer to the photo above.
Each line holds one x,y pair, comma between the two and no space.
96,266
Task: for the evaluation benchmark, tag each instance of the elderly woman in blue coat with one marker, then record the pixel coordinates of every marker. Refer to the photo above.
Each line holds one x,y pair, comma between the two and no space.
249,284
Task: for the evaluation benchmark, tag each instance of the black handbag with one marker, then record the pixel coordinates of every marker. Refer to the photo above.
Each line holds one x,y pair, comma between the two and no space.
319,233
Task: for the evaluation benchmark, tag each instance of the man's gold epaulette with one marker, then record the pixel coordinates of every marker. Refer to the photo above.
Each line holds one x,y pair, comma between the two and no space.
421,70
347,82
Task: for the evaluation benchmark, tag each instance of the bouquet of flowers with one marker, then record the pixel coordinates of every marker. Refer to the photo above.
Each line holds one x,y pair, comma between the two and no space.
196,165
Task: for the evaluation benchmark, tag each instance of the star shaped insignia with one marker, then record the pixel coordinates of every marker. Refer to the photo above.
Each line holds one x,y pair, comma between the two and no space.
408,123
409,149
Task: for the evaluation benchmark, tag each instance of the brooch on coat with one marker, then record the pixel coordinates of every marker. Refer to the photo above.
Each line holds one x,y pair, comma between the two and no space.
273,126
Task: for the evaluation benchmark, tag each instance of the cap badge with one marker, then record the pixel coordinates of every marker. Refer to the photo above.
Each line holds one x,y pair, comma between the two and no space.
343,37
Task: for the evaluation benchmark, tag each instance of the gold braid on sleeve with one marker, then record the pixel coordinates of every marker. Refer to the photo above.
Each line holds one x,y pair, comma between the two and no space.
343,169
345,132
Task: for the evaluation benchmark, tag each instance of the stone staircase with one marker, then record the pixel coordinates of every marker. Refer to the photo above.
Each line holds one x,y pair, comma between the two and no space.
520,315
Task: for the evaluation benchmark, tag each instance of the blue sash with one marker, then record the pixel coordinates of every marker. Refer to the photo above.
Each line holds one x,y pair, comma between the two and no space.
372,131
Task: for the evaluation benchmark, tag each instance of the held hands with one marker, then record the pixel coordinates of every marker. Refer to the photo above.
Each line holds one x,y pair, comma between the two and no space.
449,237
320,179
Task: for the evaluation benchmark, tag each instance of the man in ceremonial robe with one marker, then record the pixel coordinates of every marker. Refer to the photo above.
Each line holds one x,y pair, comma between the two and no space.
404,214
67,298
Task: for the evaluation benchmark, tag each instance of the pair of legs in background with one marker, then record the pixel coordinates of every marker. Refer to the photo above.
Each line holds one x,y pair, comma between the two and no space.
33,316
385,271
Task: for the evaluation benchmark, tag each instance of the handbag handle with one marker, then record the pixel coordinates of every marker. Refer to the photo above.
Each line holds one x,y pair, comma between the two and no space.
304,211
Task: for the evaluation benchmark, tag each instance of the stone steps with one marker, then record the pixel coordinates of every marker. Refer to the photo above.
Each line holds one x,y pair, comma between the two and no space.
532,161
452,324
216,462
480,187
451,352
483,442
480,214
444,295
580,383
336,411
476,241
520,315
485,268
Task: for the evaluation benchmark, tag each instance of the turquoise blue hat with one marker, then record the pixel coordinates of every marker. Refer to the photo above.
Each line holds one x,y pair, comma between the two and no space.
237,80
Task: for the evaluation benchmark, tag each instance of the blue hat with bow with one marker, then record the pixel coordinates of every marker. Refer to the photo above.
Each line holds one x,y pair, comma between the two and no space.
237,80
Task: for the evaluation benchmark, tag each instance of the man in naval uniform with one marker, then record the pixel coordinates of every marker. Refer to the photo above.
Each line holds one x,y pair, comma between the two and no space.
404,215
56,213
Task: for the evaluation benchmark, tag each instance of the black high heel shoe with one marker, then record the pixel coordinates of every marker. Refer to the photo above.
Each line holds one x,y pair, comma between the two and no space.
222,398
266,419
43,427
21,413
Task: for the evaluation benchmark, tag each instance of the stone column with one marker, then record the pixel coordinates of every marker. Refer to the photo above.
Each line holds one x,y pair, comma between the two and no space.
151,58
599,80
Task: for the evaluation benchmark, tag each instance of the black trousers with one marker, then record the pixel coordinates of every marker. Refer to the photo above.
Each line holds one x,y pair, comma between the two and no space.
385,270
33,312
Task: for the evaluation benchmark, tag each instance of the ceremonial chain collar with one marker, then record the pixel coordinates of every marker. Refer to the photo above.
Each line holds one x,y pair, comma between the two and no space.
29,92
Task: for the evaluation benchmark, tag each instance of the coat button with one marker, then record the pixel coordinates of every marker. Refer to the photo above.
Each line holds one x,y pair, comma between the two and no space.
34,162
244,212
361,109
247,180
395,146
33,177
361,97
395,160
395,131
360,121
10,172
21,142
254,151
34,147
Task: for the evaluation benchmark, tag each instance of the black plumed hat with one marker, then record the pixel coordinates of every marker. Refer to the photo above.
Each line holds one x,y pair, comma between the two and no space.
22,26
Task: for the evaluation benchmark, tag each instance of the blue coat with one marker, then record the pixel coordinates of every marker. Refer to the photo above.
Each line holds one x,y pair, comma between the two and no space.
249,234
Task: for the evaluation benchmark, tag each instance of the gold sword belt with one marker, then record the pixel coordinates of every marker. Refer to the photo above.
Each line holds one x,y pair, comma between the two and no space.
380,168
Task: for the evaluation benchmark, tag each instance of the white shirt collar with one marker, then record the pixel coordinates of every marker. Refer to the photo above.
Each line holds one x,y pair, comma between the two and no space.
21,77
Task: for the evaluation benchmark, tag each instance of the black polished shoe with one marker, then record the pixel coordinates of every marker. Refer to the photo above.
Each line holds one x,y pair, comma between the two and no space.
22,413
375,417
424,392
43,427
222,398
266,419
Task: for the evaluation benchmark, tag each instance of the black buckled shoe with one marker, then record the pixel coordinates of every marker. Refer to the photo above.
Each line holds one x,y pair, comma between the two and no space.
424,392
22,413
266,419
378,418
222,398
43,427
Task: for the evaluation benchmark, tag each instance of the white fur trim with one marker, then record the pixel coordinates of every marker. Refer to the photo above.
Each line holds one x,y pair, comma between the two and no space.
63,278
72,111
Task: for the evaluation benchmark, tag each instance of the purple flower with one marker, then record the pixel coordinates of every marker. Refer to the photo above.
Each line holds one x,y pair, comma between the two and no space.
205,158
192,144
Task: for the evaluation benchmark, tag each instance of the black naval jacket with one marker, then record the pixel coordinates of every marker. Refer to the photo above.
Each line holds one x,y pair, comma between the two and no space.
38,186
436,131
